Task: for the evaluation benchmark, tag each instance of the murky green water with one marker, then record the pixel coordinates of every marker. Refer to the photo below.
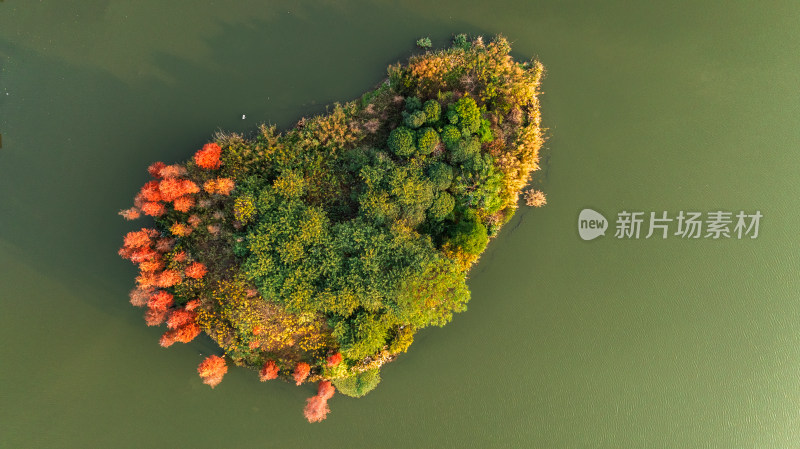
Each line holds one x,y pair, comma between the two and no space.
567,344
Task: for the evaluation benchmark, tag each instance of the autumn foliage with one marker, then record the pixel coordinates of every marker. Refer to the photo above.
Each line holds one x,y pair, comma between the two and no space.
317,408
301,372
269,371
208,157
334,359
196,270
212,369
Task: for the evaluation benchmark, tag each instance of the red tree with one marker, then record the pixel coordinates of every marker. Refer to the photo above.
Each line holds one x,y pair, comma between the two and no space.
180,318
301,372
155,169
269,371
196,270
131,214
183,204
212,369
334,360
160,300
153,209
317,406
154,317
187,332
168,278
208,157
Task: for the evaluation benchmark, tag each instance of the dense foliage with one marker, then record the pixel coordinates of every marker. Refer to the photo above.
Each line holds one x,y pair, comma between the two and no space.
316,254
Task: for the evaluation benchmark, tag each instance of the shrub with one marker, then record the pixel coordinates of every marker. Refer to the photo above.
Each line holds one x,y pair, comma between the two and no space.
427,139
360,384
460,41
442,206
414,120
441,175
424,42
401,141
433,111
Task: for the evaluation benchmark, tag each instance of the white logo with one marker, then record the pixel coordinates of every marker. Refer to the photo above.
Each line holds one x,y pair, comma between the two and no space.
591,224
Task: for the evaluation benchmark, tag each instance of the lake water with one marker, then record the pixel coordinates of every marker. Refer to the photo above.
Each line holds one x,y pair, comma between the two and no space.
612,343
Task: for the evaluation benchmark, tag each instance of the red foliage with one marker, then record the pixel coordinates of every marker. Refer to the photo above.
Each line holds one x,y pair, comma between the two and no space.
335,359
160,300
155,169
140,255
168,339
139,296
180,256
164,245
196,270
171,171
193,304
193,220
151,265
154,317
316,409
208,157
170,189
168,278
301,372
180,318
187,332
212,369
131,214
150,192
153,209
147,280
222,186
317,406
269,371
183,203
137,239
188,187
326,390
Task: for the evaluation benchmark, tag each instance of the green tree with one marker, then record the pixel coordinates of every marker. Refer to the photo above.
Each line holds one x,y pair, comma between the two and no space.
427,139
414,119
442,206
450,136
432,111
401,141
360,384
441,175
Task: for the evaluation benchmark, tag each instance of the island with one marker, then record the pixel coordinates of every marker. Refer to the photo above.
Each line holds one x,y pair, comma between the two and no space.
315,254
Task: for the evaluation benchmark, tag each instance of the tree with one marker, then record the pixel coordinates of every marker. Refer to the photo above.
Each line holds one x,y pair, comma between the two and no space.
442,206
427,139
360,384
196,270
450,136
212,369
401,141
414,119
301,372
268,371
334,359
208,156
433,110
441,175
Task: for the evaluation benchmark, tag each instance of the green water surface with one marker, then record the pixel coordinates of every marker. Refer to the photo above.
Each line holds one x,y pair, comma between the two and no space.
651,106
